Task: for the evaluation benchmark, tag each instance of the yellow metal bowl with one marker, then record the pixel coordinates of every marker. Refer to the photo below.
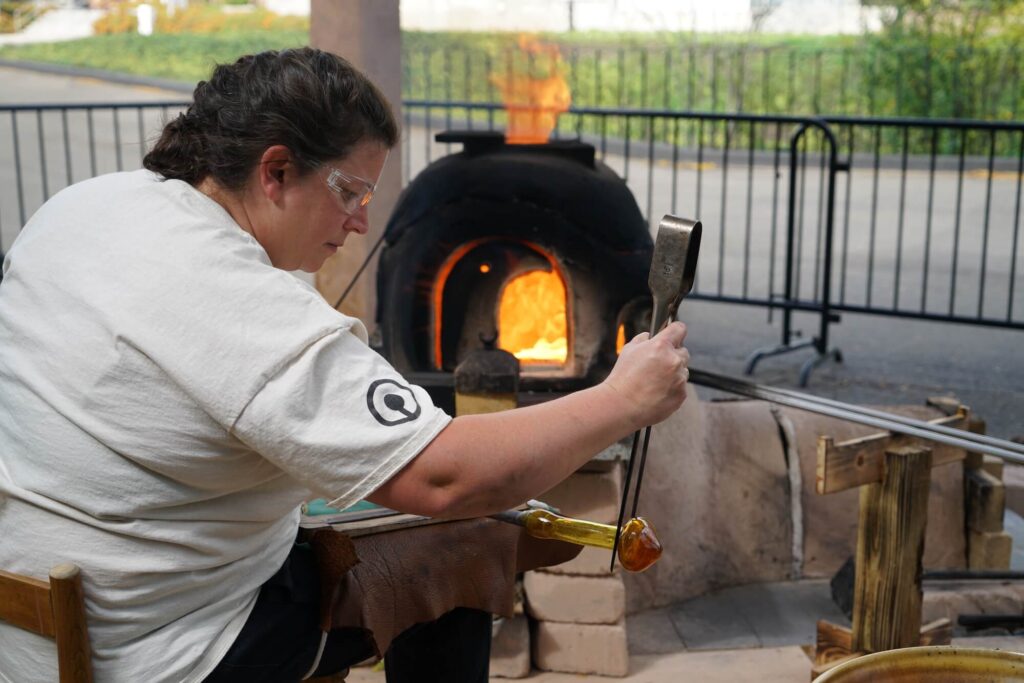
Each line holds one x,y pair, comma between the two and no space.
933,664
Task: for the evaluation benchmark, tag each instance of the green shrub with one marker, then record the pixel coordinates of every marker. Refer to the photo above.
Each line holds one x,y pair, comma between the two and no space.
184,57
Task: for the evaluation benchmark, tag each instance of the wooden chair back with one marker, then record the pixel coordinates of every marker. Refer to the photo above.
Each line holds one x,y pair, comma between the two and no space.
55,610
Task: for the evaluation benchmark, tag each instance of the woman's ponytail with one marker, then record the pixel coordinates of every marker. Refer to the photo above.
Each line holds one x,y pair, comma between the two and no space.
180,152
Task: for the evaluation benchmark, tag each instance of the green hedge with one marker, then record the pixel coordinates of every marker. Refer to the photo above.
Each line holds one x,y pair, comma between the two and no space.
182,57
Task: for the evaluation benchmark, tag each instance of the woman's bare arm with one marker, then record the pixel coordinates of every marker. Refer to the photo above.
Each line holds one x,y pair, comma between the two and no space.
481,464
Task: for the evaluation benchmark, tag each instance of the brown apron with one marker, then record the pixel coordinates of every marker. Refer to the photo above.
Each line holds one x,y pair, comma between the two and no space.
389,581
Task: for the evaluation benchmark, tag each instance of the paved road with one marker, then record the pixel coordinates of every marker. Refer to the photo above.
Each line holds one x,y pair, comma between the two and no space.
886,360
21,86
67,151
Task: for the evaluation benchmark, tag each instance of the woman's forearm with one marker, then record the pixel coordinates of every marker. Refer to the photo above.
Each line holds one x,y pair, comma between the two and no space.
481,464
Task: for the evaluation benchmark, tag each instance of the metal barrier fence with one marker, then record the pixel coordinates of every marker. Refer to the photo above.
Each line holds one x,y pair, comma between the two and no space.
928,234
931,231
862,79
801,214
44,148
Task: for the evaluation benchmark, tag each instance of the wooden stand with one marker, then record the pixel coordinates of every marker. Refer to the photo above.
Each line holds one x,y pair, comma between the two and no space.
890,545
894,476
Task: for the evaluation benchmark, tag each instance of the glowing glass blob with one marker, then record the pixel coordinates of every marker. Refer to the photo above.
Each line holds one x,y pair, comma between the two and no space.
639,546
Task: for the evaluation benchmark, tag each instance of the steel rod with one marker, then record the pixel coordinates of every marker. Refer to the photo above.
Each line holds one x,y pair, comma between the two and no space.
972,575
917,428
640,471
979,439
625,496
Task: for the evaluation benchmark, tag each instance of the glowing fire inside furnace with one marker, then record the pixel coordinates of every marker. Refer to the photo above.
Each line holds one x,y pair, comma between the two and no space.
531,318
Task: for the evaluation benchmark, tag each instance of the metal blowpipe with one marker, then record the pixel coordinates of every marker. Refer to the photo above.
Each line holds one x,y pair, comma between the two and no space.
673,268
541,523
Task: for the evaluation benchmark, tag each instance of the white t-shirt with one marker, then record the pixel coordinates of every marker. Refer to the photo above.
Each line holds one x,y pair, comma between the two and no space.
167,399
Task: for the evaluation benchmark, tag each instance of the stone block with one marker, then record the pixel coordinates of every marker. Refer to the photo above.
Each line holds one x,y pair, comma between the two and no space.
590,562
581,648
989,549
576,599
593,496
510,649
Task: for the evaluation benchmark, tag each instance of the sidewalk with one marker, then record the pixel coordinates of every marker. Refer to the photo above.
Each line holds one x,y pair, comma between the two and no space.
55,26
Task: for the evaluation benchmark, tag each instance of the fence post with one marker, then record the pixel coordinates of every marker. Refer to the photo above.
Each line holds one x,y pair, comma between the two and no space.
791,297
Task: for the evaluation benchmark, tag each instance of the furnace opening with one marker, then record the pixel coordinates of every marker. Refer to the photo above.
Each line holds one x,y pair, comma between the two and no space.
509,293
531,318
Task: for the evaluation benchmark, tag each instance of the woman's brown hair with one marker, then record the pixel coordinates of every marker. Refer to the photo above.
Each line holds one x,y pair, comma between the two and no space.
313,102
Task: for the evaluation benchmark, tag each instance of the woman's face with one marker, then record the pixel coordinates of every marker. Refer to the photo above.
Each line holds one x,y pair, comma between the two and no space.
309,215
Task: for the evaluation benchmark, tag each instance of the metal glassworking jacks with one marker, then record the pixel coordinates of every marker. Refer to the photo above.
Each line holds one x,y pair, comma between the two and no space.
673,268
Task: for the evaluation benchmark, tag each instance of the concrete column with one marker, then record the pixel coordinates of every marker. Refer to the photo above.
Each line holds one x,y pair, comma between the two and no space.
367,33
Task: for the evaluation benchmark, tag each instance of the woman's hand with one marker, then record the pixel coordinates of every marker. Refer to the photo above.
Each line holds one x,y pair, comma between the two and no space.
651,375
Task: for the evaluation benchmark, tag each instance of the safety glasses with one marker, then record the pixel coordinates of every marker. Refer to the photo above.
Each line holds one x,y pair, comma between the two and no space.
353,192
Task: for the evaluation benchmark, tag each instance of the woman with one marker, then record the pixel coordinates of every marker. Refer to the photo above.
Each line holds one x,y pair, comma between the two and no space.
169,394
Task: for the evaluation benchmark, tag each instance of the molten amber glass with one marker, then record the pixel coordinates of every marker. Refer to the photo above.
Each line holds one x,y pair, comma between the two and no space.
639,546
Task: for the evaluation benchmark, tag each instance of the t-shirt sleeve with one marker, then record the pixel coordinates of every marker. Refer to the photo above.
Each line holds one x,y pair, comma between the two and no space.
339,419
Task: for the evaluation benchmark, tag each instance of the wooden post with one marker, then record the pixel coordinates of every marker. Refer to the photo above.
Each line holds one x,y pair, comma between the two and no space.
890,545
70,631
893,473
988,545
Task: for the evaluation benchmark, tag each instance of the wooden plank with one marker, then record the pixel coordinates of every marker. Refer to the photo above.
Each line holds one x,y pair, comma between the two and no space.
832,642
74,658
859,461
975,460
938,632
890,544
947,404
985,501
25,603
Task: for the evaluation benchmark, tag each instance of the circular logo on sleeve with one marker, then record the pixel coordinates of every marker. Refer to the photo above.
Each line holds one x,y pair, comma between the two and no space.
392,403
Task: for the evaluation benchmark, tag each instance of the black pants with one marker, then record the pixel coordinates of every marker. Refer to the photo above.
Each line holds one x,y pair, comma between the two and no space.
280,638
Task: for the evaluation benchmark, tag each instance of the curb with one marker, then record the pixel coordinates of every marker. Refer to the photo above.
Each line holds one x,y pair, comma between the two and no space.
99,74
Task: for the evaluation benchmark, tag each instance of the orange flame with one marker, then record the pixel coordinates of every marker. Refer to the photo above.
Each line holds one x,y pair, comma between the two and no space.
534,101
531,318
